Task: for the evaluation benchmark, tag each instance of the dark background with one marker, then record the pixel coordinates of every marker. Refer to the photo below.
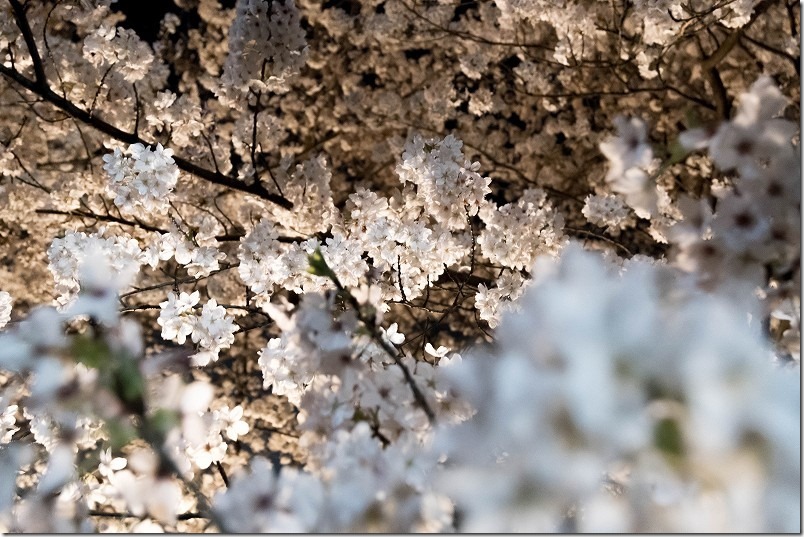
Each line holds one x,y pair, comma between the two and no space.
144,16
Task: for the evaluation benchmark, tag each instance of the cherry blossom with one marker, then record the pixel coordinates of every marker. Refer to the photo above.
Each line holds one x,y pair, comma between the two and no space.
5,308
176,317
377,266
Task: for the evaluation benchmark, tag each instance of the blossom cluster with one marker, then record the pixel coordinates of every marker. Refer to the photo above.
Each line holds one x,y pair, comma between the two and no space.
67,256
266,45
213,330
658,377
444,182
431,266
608,211
142,179
120,48
758,218
502,241
630,162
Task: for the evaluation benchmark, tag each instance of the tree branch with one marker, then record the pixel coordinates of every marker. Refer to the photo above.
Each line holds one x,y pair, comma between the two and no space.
30,42
66,106
102,218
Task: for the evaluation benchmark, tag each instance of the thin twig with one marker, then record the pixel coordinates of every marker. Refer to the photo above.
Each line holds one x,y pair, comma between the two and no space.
108,514
83,116
222,472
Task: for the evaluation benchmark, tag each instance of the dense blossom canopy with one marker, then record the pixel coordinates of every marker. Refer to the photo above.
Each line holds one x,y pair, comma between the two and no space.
400,265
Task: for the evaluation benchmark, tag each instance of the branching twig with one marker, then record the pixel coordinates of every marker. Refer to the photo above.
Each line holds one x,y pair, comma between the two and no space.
40,88
375,334
102,218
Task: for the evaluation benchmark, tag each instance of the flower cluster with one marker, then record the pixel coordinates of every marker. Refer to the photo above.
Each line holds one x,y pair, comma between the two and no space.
752,235
352,484
142,179
608,211
266,46
265,261
491,303
339,377
8,422
205,440
631,161
67,255
538,230
395,233
444,304
213,330
449,186
196,248
121,48
176,316
606,372
397,236
308,187
182,117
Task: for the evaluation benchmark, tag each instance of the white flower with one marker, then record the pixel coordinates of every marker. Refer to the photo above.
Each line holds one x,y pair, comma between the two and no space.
66,256
142,181
176,245
519,231
8,423
629,149
260,255
440,352
5,308
285,368
99,287
368,294
630,156
266,45
204,261
231,421
176,318
212,450
109,465
492,303
39,336
345,257
213,330
447,183
121,48
267,501
392,335
308,188
636,365
146,493
608,211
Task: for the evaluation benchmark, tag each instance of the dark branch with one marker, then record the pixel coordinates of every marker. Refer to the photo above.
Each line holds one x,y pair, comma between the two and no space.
107,514
102,218
83,116
27,34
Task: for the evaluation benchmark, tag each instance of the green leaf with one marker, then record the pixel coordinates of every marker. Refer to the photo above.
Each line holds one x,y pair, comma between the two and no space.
128,384
120,433
91,352
163,420
667,437
318,265
692,119
86,462
677,153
